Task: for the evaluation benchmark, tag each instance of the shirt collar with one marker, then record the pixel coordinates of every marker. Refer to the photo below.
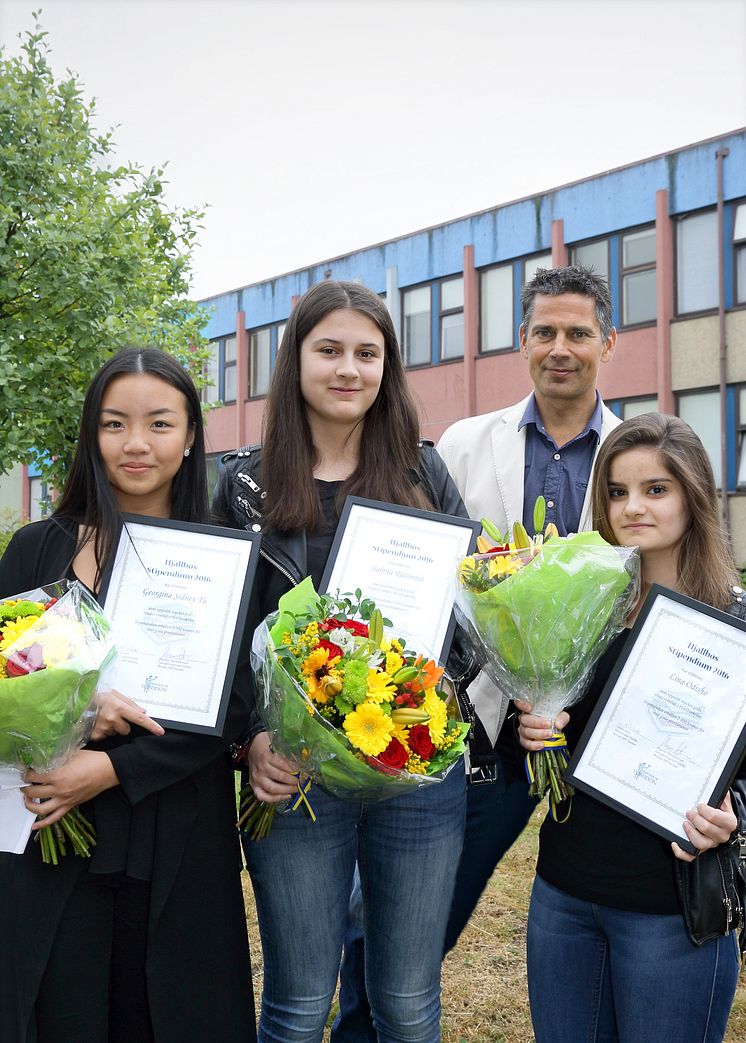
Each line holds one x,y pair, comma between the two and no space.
531,415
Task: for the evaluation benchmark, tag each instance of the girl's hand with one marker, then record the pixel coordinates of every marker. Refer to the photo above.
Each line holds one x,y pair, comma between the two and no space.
115,715
533,731
707,827
51,794
272,776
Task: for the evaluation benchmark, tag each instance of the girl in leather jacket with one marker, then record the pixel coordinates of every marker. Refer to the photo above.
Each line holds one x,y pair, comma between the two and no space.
340,420
629,938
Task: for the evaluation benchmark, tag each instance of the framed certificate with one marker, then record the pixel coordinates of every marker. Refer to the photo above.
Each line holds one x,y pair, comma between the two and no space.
177,596
669,729
404,559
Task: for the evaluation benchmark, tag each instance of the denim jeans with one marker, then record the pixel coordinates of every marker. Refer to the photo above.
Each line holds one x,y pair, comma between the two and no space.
496,814
407,849
602,975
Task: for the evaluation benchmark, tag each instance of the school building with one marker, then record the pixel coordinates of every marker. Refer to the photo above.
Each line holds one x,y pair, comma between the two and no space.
669,233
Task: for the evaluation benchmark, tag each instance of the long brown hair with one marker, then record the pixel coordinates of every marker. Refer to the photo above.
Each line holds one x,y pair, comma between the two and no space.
387,466
706,568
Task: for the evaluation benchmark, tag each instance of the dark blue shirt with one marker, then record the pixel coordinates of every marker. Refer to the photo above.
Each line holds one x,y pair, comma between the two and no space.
558,473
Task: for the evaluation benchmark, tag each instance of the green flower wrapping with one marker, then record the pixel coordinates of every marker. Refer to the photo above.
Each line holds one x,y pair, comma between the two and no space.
543,628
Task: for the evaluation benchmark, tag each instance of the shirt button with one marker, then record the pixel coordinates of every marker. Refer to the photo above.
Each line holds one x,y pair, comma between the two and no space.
556,456
550,503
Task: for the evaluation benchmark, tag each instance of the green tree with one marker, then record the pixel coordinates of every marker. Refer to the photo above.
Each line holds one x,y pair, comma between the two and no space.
91,259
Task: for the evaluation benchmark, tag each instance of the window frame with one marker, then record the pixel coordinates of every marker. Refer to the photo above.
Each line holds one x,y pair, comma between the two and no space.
428,285
483,272
268,328
738,247
444,313
679,219
218,388
632,270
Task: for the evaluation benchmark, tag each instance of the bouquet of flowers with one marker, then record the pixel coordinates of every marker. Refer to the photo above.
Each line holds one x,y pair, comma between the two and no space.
54,642
543,611
357,710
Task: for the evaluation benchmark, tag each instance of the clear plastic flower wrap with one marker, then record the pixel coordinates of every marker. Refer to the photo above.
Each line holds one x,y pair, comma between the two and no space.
54,642
542,616
357,711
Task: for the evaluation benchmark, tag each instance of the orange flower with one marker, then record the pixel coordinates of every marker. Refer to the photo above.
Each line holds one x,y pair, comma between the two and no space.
428,676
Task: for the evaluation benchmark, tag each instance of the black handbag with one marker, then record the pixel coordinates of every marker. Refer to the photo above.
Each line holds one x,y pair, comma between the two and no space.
712,892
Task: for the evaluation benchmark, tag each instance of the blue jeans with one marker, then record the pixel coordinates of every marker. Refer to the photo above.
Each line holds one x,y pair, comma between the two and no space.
605,975
407,849
496,814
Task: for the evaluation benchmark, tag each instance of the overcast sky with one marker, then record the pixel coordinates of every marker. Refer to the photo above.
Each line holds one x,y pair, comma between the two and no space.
310,128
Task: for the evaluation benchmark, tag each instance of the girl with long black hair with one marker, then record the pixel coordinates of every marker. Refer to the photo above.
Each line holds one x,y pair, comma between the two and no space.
145,940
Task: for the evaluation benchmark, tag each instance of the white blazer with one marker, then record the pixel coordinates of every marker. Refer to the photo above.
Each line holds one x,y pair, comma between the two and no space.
485,457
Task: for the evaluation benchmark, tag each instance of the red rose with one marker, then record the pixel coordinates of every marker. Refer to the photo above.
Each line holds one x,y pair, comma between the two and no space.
334,650
394,757
420,741
26,661
353,625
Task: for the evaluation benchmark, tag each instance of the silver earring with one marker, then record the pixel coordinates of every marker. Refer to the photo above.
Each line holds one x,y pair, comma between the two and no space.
187,451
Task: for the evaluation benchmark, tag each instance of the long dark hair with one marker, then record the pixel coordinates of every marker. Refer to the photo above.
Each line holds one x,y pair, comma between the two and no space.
389,456
706,568
88,498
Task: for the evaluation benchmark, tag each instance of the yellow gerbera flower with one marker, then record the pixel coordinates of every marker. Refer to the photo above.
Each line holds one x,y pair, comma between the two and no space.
381,689
13,629
435,706
369,728
401,732
394,662
317,670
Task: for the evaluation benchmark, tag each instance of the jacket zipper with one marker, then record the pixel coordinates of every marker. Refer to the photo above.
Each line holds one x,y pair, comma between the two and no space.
278,566
726,898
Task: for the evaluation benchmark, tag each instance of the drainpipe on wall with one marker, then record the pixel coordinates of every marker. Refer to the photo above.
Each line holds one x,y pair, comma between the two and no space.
719,157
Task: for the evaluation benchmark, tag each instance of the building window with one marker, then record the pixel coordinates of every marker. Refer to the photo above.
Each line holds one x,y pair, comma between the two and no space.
38,498
701,410
739,249
532,264
496,308
452,318
416,326
212,460
281,327
593,255
220,370
211,391
638,277
741,439
633,407
260,361
696,263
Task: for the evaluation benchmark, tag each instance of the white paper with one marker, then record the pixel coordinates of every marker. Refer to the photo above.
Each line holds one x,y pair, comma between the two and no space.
15,820
173,600
405,563
664,737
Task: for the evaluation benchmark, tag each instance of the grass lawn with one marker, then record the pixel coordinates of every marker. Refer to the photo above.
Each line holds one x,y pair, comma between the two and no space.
484,979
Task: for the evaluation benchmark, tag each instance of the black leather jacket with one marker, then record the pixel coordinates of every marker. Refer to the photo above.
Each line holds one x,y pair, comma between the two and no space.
238,502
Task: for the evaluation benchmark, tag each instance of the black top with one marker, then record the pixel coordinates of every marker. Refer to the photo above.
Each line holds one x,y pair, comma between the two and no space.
319,543
171,820
598,854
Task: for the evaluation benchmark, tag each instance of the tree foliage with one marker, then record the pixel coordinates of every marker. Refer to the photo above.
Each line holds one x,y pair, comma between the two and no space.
91,259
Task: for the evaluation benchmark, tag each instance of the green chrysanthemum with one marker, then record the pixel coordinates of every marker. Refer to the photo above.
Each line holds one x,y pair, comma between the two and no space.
355,686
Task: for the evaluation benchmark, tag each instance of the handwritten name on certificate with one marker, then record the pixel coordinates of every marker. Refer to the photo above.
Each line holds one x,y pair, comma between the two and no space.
177,598
669,734
404,559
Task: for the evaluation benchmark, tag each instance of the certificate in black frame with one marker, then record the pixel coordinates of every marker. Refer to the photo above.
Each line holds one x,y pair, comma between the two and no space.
239,620
434,517
737,742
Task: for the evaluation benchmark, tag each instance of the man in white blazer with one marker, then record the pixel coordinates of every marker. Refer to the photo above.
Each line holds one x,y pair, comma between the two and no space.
546,444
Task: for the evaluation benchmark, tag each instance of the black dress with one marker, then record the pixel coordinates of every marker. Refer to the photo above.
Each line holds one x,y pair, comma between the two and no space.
171,823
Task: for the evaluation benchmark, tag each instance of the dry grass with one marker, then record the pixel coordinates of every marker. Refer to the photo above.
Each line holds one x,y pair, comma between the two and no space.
484,979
